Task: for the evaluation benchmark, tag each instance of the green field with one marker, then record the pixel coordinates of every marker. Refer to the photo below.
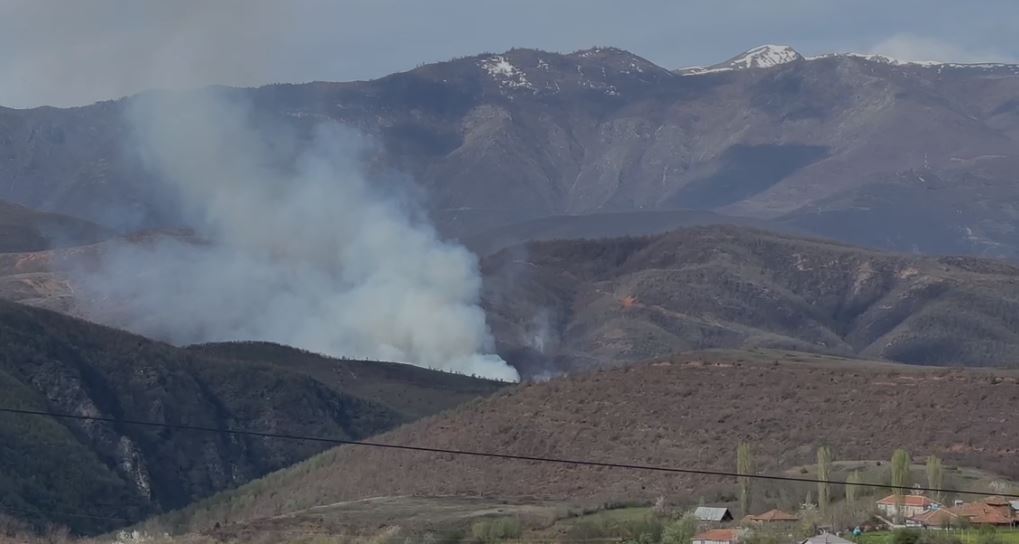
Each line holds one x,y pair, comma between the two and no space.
626,514
968,536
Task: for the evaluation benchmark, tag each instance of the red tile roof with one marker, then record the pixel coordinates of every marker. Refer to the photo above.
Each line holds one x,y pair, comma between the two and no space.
982,513
995,500
936,518
772,515
908,500
722,535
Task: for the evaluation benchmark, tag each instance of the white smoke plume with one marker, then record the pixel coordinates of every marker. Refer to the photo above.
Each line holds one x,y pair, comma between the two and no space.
303,252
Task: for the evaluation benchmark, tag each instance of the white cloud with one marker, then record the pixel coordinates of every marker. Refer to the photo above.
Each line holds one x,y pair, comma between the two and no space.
910,47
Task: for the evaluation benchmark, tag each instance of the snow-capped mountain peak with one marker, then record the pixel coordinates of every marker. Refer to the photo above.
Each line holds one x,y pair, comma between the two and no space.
764,56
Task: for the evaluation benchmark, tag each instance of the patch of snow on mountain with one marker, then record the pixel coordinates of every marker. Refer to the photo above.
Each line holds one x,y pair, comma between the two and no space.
996,67
884,59
585,53
698,70
505,73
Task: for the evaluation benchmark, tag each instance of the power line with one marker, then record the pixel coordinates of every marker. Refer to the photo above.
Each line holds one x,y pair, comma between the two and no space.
490,455
59,514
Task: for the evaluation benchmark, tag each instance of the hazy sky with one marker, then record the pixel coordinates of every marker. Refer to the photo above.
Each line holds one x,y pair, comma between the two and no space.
68,52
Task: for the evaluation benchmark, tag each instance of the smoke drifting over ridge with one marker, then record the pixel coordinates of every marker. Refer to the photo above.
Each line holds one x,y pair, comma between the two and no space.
293,246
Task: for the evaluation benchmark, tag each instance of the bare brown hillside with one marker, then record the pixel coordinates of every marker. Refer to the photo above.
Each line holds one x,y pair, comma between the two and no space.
572,305
576,304
688,411
23,229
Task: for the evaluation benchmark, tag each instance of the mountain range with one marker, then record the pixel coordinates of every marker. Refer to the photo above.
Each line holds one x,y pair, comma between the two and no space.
563,306
797,217
915,157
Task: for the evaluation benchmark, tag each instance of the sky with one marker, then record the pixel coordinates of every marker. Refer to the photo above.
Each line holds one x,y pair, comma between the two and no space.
64,53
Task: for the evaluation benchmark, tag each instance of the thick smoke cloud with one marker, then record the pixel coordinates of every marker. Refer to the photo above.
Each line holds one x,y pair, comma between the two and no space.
292,245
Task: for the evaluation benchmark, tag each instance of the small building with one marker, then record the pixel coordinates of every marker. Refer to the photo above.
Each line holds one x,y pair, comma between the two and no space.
938,518
771,516
826,538
906,506
712,513
718,536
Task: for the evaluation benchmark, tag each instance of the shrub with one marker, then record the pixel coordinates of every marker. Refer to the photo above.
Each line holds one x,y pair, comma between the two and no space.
938,537
906,536
449,536
987,535
494,530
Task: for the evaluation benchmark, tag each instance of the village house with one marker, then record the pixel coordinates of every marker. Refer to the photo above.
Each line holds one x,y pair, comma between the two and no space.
718,536
906,506
771,516
994,510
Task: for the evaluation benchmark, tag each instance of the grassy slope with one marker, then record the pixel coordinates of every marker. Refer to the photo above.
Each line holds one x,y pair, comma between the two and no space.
687,412
968,536
50,361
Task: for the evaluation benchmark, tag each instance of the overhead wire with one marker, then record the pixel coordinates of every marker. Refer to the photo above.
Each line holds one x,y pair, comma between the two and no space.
490,455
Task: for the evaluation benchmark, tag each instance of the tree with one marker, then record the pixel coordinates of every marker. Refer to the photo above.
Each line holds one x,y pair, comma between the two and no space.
935,475
807,526
900,477
744,465
823,476
900,471
851,486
